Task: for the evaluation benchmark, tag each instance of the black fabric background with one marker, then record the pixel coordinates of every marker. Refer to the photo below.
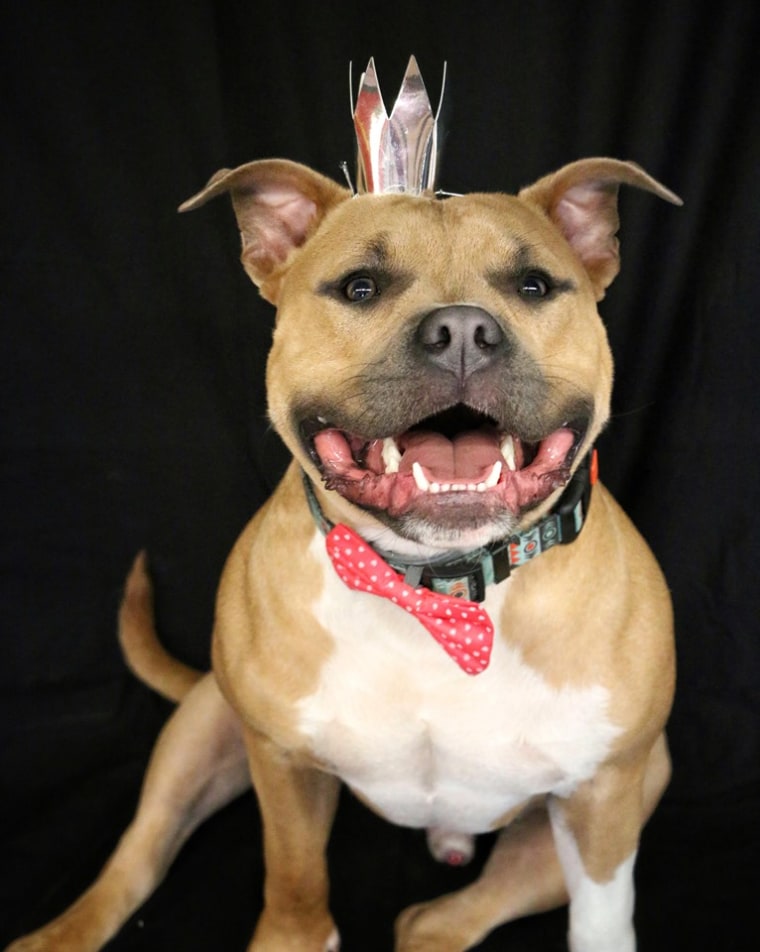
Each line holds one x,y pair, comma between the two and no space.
133,410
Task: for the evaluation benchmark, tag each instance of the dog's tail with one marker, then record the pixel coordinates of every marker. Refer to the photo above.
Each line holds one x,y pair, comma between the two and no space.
143,651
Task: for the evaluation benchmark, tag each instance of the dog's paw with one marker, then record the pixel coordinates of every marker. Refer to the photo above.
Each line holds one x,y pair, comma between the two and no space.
277,936
420,929
333,942
455,849
41,941
23,945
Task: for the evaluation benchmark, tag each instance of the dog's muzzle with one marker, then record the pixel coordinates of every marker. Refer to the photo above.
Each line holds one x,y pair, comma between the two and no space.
484,447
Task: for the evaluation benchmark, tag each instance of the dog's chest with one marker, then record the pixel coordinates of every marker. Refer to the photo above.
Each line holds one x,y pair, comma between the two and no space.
425,743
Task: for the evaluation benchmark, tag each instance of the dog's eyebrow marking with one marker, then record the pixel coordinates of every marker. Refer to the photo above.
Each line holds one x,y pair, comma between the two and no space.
375,259
525,260
377,251
375,256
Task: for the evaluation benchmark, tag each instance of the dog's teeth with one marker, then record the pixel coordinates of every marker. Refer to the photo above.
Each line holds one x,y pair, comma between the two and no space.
424,484
493,477
419,477
508,452
391,455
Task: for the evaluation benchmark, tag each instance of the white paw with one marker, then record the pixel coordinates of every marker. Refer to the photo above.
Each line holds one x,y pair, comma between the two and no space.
455,849
333,942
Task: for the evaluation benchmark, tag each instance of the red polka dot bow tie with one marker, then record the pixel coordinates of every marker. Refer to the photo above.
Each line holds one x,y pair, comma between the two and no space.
462,628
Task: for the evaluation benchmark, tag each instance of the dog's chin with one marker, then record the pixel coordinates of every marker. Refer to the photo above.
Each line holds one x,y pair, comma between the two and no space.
454,480
464,529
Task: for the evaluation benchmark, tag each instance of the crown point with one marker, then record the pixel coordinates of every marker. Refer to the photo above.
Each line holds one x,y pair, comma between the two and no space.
412,68
368,79
396,153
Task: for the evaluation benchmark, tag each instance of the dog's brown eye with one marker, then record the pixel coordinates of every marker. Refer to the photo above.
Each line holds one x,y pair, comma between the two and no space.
533,286
360,288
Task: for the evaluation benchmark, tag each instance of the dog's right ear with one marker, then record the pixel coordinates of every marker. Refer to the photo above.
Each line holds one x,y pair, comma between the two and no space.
278,204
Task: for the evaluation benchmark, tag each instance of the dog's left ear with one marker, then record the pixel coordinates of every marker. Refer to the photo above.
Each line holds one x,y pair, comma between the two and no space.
581,200
278,204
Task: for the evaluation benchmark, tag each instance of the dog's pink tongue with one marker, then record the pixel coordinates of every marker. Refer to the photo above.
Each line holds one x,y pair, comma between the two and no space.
468,456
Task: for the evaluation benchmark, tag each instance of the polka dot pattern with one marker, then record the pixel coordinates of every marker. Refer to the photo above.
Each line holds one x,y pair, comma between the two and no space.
462,628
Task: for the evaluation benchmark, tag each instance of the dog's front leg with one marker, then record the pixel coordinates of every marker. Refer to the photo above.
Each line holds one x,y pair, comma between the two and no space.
297,806
523,875
596,833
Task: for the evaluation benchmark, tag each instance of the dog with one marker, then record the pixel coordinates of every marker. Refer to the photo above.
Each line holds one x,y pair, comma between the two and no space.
439,606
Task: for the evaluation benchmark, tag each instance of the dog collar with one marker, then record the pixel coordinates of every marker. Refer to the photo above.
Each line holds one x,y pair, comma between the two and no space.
468,576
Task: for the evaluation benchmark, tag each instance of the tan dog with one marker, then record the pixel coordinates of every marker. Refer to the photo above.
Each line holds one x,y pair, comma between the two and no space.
439,372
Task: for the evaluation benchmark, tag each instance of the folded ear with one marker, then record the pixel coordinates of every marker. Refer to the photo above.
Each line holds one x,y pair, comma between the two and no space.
581,200
278,204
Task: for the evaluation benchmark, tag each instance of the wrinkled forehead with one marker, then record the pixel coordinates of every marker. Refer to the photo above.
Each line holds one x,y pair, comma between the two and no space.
385,232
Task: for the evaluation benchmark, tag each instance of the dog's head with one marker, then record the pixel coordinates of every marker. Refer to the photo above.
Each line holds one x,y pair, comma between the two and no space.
440,364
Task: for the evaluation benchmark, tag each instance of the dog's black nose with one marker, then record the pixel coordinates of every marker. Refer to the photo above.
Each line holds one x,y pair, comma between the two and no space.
460,338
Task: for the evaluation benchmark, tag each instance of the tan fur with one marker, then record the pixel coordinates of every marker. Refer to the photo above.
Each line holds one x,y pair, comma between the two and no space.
139,642
584,630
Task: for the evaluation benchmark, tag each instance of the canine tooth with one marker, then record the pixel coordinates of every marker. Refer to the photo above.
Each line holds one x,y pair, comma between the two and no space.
391,455
481,487
420,478
508,452
493,477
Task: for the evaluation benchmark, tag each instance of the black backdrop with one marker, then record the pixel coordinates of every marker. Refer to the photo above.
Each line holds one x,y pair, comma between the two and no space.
133,410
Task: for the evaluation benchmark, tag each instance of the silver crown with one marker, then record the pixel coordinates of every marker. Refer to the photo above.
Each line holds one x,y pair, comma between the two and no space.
396,153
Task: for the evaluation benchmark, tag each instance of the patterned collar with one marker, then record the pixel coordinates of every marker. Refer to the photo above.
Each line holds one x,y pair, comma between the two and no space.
467,576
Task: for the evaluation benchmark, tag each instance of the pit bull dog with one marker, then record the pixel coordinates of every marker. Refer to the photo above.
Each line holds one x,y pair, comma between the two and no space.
439,606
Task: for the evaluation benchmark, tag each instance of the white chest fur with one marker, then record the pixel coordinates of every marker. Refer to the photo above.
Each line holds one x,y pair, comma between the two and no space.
429,745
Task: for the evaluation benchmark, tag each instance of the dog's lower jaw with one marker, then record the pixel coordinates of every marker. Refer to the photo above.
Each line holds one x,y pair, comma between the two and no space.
458,521
462,534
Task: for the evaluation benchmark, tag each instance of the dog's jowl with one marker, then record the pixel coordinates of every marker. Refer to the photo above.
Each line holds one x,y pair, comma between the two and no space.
440,606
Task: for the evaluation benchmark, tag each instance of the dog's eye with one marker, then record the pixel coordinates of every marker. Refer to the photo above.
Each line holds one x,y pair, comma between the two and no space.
360,288
534,285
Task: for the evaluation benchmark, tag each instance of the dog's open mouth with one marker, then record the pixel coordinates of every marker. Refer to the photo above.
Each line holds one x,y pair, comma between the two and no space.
456,458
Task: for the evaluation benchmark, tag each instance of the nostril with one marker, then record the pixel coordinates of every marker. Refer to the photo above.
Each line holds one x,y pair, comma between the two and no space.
437,338
488,335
